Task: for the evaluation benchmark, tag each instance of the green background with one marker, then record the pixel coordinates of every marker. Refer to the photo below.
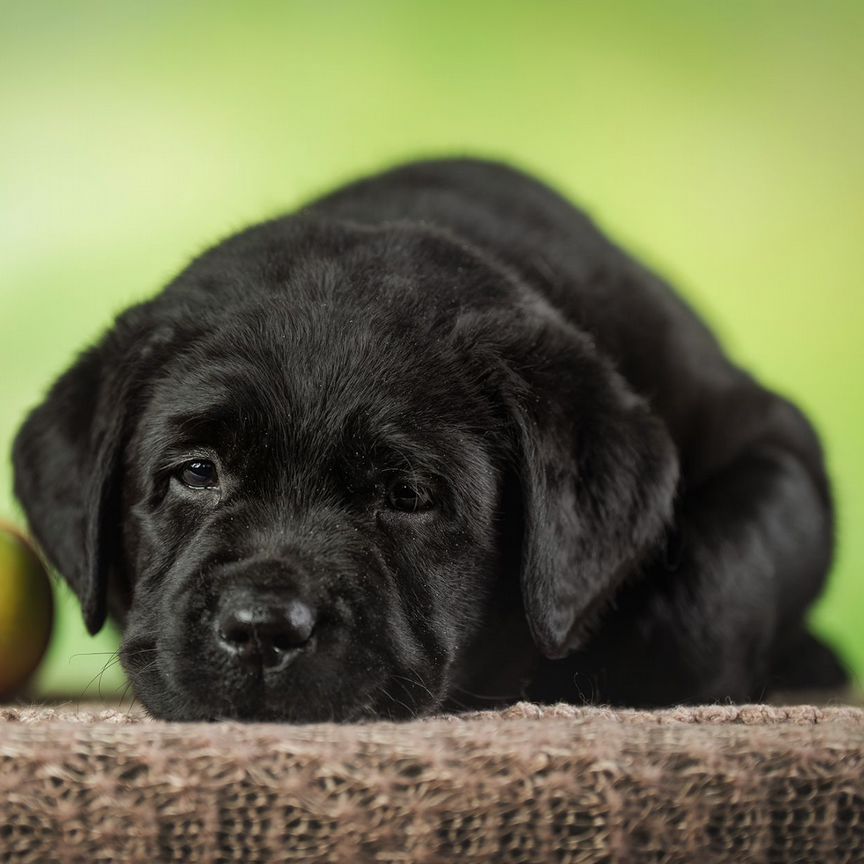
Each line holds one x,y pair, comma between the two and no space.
722,142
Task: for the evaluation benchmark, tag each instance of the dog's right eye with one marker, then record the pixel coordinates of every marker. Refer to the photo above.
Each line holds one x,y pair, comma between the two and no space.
409,498
198,474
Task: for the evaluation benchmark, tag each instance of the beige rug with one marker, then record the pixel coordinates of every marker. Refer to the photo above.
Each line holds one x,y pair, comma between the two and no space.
529,784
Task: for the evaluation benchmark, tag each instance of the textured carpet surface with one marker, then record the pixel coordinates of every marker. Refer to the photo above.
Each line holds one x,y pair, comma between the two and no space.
529,784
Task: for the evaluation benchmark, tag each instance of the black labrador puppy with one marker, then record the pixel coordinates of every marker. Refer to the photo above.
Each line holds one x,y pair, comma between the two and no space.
430,442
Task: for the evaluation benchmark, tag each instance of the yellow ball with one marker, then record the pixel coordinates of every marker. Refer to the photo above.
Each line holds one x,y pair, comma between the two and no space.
26,610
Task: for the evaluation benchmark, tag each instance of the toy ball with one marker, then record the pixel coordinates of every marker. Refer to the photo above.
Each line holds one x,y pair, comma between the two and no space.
26,610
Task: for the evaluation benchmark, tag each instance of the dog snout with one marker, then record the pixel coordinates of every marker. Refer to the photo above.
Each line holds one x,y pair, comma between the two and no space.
264,629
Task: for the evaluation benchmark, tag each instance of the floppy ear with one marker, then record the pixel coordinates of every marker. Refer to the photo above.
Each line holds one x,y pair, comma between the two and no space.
598,473
67,462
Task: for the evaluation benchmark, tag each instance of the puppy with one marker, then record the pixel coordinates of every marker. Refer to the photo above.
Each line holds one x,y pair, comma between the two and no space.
431,442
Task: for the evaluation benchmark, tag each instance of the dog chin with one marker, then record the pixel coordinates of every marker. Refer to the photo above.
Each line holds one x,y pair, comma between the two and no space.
172,704
169,694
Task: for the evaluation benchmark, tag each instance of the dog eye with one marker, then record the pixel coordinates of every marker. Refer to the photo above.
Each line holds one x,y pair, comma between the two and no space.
198,474
409,498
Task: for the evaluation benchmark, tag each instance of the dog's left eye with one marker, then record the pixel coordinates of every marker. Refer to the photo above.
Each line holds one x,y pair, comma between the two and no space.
409,498
198,474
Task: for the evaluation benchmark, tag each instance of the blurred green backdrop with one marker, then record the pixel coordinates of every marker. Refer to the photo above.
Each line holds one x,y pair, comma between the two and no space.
723,142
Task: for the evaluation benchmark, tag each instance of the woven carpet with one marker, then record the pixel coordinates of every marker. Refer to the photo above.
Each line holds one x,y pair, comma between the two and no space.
528,784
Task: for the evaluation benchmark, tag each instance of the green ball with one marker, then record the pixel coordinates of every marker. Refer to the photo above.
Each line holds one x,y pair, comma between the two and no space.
26,610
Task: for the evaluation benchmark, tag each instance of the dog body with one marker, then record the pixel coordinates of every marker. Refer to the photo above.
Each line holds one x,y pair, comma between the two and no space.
432,441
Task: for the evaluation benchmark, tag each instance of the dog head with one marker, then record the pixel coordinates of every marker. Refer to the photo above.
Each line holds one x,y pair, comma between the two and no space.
303,476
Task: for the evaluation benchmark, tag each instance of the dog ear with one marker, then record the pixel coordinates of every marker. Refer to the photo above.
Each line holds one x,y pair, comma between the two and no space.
598,472
67,462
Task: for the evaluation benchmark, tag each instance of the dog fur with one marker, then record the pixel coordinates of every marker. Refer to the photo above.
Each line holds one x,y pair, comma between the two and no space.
611,509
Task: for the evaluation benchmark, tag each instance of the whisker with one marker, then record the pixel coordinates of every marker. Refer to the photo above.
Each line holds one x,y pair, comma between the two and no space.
123,695
92,654
115,659
132,702
411,711
417,683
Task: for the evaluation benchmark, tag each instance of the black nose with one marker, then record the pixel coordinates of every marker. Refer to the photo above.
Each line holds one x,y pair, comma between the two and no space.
266,630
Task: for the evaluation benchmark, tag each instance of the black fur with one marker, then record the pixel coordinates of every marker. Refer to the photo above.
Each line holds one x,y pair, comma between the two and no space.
618,512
